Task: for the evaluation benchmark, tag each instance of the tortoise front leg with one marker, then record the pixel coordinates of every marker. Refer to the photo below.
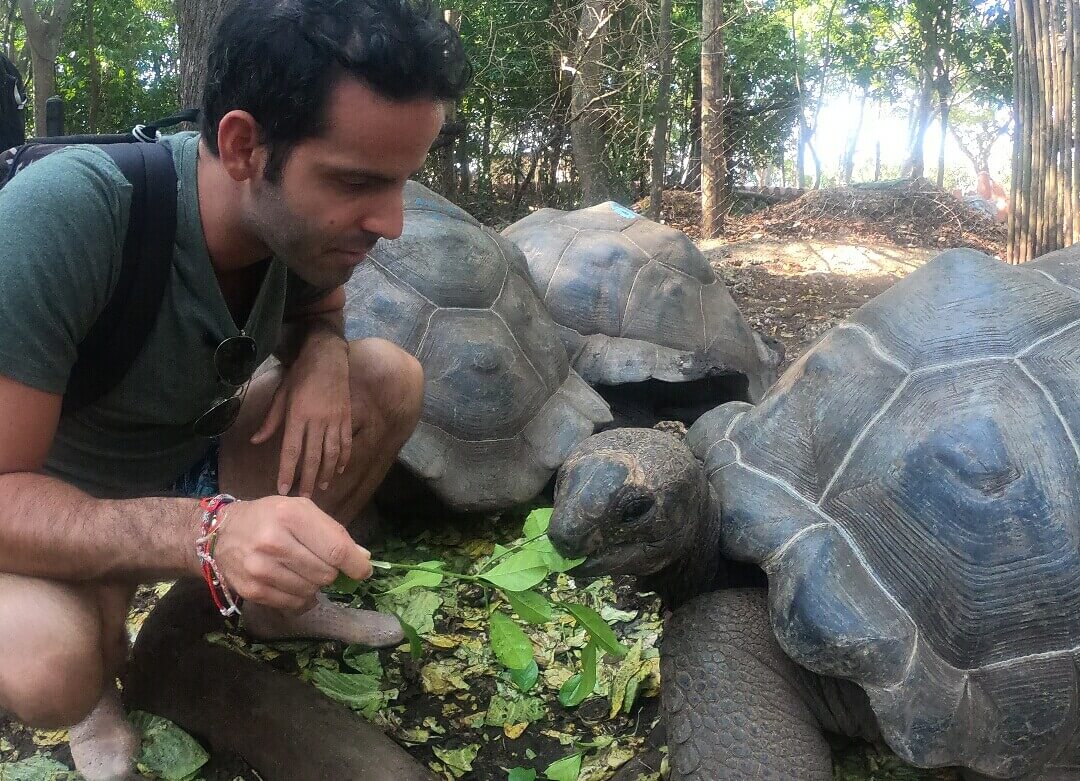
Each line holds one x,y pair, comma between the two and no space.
734,704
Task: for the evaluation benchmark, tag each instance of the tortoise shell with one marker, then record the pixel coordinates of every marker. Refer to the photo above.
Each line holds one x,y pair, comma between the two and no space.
910,488
636,300
502,407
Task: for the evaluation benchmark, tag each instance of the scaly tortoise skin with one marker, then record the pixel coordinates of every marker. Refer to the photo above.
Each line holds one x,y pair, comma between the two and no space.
502,407
909,487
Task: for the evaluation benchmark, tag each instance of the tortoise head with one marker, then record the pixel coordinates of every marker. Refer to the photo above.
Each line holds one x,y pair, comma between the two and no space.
632,501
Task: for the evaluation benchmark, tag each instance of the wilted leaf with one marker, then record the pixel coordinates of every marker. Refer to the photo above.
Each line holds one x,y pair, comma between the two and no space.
530,606
613,615
509,643
502,711
37,768
628,668
458,760
514,731
581,685
526,677
416,608
565,769
591,621
442,677
537,522
352,689
167,751
364,661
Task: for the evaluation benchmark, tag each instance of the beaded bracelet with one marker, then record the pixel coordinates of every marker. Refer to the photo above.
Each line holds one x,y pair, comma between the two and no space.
223,598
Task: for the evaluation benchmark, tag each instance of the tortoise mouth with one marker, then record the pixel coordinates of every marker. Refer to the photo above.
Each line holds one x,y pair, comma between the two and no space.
628,558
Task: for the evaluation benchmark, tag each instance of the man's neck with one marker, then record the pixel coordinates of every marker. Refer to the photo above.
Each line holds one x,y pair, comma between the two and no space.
229,242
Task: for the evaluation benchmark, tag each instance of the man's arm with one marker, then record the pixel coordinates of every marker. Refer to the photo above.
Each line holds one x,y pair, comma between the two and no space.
324,317
314,402
275,551
50,529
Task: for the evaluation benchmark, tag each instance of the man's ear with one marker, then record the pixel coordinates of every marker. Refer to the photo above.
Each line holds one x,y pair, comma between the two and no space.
240,147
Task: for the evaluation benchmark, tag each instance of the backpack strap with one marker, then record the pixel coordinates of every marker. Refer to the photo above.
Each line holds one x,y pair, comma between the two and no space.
117,336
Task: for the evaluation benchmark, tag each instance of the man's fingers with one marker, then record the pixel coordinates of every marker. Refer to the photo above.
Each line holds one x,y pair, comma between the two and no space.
333,545
291,446
313,453
346,445
274,416
330,451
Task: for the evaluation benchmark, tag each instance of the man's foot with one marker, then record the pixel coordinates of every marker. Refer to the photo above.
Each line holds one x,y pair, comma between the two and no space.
326,621
104,744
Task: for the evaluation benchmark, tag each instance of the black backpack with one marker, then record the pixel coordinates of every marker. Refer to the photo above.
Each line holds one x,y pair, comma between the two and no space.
12,105
117,337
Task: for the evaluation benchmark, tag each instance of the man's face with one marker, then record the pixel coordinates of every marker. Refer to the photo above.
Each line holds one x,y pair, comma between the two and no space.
340,192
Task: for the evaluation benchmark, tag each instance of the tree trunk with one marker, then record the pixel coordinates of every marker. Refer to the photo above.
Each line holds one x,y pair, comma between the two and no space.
663,103
713,155
94,101
693,166
848,163
445,155
1043,214
43,32
943,117
196,21
588,125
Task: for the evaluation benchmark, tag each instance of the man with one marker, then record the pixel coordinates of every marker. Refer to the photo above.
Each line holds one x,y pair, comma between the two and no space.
315,113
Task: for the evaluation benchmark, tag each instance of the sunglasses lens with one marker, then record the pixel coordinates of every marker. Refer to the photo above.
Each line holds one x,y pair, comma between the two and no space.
234,359
216,420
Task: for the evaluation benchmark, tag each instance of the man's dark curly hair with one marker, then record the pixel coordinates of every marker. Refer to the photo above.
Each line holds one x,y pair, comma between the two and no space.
279,59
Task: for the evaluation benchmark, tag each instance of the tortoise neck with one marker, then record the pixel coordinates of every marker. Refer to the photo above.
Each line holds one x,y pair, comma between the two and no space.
701,567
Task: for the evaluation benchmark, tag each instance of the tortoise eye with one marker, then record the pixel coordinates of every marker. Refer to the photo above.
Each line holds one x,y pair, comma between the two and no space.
636,507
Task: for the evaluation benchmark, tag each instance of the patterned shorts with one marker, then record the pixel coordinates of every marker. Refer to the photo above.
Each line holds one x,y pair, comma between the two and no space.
201,480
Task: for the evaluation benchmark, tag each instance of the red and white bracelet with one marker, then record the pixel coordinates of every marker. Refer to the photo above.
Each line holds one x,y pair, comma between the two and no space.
212,519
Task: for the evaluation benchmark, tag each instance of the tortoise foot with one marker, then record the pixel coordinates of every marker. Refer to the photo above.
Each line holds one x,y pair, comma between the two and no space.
104,744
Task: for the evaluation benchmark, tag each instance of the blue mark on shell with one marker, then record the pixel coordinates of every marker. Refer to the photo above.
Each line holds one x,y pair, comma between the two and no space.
622,211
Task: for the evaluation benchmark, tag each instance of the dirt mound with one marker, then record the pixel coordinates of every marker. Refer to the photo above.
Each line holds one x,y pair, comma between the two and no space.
911,213
908,213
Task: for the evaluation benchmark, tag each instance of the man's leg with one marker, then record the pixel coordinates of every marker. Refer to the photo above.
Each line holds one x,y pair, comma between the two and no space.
387,386
58,667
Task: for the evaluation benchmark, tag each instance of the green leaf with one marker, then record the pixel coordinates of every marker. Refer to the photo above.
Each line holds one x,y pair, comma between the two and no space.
530,606
503,711
37,768
565,769
537,522
363,660
458,760
521,774
597,628
518,572
343,584
352,689
416,608
526,677
551,557
167,751
415,578
509,643
416,648
580,686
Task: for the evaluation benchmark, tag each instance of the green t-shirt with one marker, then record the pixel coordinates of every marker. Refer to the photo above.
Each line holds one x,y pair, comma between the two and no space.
62,227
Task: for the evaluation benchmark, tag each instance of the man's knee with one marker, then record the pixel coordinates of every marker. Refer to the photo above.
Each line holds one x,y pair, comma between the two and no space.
393,379
55,687
51,660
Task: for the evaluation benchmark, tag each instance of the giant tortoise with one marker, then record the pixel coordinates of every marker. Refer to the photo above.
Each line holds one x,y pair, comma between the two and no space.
911,488
502,407
644,317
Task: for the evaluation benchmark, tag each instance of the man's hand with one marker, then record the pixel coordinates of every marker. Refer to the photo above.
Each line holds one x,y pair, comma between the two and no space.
279,551
314,403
